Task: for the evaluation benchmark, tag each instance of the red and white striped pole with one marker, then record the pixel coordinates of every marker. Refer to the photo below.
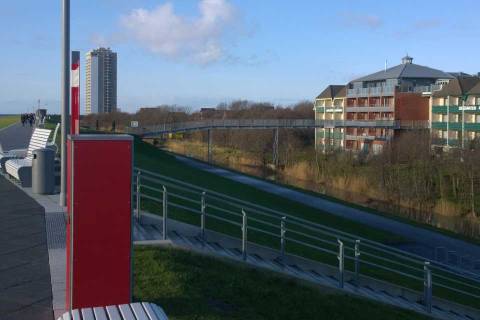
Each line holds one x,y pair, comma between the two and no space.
75,117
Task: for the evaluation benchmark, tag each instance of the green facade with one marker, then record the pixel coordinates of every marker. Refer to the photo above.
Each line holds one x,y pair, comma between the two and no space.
456,126
452,109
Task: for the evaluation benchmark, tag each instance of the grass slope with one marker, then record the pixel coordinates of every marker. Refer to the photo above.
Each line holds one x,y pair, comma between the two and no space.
191,286
150,158
5,121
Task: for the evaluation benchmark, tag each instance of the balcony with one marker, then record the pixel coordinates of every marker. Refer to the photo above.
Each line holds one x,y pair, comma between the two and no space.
330,135
456,109
373,91
371,123
427,89
334,109
370,109
455,126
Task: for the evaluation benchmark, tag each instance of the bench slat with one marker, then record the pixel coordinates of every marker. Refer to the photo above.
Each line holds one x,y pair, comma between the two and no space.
126,312
139,312
87,314
113,313
100,314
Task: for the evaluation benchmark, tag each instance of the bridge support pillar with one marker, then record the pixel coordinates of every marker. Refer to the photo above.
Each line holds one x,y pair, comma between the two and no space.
275,148
209,146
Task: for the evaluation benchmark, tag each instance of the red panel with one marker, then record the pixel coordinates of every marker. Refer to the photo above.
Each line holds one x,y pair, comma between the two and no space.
69,168
75,117
101,221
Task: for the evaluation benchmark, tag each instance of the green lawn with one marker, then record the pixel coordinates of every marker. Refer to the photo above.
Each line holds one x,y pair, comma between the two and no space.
192,286
5,121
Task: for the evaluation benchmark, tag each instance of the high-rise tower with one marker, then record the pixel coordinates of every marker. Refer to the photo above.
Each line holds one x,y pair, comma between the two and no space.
101,81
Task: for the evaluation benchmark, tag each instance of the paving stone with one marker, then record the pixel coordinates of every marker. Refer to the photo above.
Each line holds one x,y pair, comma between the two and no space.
25,284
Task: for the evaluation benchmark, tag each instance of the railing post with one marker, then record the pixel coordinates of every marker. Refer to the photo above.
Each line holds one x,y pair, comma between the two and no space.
244,235
341,261
427,287
202,215
165,212
282,237
138,195
357,262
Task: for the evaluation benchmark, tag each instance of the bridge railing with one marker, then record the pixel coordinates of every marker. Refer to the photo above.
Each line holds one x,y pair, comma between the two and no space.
274,123
355,257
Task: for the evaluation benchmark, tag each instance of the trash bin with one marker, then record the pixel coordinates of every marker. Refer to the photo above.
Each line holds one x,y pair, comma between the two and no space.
43,171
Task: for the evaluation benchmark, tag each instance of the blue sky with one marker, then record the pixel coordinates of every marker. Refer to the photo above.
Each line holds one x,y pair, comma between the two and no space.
203,52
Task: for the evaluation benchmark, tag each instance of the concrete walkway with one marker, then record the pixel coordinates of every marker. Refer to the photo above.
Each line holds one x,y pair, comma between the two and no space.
25,286
15,136
423,243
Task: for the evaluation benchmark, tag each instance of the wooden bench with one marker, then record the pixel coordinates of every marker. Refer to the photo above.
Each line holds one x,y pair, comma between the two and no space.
133,311
19,164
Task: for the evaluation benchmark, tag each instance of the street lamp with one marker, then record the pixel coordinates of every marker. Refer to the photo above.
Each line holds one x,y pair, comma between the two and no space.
65,97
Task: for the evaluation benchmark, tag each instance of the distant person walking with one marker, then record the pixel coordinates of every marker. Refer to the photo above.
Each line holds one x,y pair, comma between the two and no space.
31,119
23,119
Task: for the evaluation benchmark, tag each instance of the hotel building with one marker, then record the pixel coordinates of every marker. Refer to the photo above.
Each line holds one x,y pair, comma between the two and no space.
455,112
371,110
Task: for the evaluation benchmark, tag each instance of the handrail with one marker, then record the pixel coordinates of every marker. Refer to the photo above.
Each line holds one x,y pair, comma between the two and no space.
309,123
314,226
301,232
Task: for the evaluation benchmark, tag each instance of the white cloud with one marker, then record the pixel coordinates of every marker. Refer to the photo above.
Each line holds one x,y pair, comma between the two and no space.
199,40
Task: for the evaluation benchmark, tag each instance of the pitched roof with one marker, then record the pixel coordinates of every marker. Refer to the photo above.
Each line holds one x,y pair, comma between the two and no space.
475,89
333,91
407,70
457,87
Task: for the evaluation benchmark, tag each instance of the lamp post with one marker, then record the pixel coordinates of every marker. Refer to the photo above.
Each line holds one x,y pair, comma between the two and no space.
65,97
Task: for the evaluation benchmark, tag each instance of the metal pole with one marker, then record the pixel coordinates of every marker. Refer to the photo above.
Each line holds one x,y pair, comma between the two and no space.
357,262
165,212
275,148
202,216
282,237
138,195
340,263
427,287
65,98
244,235
209,146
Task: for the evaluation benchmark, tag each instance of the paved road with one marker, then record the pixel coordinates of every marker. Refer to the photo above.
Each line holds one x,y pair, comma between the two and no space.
15,136
25,287
423,241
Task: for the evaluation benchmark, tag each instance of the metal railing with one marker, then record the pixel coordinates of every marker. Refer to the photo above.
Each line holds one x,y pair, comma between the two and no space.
294,235
152,131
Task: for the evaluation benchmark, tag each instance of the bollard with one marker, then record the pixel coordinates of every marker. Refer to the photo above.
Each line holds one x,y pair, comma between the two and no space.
427,287
138,195
244,235
165,212
203,206
340,263
357,262
282,237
